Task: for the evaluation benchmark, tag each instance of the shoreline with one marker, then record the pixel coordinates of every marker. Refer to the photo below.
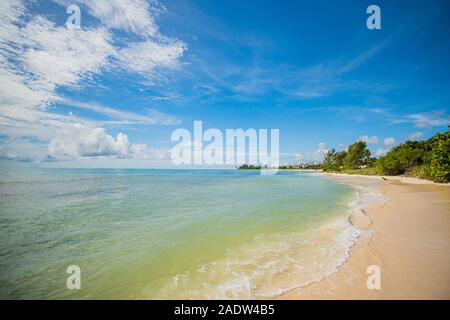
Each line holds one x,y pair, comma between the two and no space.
403,179
410,242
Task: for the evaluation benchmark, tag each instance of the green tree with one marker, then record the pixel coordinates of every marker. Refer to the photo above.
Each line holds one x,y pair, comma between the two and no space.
428,159
402,158
328,160
357,155
333,160
437,160
340,158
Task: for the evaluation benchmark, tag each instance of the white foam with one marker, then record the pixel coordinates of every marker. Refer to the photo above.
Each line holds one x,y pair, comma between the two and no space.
274,264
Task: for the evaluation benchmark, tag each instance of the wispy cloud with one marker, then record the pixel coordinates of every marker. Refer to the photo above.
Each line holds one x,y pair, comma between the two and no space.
327,78
144,57
363,57
38,58
243,82
430,119
434,118
153,116
415,136
131,16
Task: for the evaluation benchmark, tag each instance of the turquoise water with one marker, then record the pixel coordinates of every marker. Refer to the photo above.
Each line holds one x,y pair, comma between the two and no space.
146,234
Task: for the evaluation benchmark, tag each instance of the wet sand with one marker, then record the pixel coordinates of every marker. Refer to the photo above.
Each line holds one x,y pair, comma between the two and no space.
410,242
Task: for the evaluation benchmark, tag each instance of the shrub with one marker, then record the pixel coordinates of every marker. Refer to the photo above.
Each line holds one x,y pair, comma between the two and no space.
402,158
438,158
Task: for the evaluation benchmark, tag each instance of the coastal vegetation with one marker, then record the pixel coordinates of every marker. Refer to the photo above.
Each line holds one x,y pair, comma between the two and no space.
250,167
303,166
429,159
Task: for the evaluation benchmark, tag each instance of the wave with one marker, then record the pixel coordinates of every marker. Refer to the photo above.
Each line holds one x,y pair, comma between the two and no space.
274,264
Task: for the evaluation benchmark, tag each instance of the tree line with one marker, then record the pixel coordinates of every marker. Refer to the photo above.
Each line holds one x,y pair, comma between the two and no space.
429,159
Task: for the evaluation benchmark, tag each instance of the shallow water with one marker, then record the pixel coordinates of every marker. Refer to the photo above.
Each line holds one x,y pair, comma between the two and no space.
141,233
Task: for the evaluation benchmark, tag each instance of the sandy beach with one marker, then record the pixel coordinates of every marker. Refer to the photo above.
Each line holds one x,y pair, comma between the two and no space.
410,242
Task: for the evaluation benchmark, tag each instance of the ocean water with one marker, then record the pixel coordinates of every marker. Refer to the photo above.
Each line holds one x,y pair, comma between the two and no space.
158,234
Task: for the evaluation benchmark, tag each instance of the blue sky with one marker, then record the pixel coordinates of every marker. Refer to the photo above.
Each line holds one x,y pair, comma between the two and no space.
137,70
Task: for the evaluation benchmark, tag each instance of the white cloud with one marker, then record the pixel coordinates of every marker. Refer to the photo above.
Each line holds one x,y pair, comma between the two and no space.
33,64
434,118
136,16
79,141
315,156
123,117
57,56
38,57
431,119
363,57
389,141
415,136
369,140
128,15
10,13
22,150
144,57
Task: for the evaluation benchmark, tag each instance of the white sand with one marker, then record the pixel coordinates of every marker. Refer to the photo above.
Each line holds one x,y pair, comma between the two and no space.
410,243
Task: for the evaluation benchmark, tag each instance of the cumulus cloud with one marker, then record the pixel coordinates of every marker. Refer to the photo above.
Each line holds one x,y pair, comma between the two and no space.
369,140
389,141
38,57
79,141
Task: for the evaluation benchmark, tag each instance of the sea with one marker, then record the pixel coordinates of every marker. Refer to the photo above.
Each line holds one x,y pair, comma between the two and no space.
169,233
